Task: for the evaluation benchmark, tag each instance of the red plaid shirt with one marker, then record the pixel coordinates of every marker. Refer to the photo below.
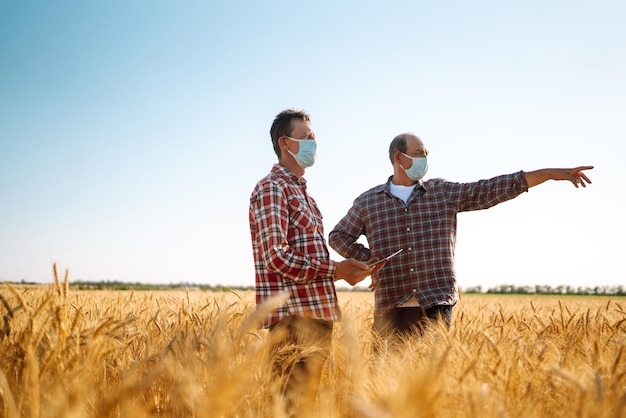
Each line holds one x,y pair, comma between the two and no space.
290,252
425,227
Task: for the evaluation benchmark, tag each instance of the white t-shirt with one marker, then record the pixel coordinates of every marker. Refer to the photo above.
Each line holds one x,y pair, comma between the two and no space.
403,192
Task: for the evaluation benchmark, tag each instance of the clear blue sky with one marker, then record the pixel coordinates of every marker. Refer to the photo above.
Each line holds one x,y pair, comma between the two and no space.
132,132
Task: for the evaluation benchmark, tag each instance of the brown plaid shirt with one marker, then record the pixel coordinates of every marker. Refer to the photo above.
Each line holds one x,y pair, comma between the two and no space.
425,227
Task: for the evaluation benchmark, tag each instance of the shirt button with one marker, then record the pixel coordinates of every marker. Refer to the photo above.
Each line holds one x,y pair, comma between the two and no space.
409,249
408,229
411,268
414,290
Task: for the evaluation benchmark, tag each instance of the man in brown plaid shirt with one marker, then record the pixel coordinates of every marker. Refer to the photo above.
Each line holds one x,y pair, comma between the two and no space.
420,217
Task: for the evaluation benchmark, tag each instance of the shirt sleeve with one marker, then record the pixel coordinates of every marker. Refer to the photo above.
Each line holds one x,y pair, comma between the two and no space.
484,194
343,238
271,213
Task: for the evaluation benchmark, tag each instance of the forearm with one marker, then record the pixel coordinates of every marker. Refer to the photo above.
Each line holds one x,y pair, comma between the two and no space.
347,246
486,193
575,175
299,268
534,178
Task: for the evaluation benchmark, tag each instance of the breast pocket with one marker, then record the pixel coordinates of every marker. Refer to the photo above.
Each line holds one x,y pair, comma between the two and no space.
300,216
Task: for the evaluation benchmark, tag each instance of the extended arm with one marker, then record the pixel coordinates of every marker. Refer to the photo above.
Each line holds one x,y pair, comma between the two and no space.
575,175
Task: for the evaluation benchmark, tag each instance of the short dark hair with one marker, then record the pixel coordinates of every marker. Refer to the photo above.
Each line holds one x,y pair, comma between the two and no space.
397,144
282,125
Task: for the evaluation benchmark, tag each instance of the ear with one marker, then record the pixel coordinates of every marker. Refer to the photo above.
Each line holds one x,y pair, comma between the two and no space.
282,143
396,157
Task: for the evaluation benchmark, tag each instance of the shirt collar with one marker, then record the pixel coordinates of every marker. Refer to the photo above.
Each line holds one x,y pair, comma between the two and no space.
386,187
282,171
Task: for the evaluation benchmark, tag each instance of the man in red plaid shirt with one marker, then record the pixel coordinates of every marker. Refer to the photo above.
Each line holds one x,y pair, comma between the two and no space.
419,284
291,258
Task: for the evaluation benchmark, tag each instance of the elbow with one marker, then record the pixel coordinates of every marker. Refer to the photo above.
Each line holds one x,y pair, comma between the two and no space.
273,262
275,265
337,241
279,266
333,240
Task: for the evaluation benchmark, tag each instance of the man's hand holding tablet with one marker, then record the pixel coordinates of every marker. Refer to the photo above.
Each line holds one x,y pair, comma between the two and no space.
383,261
376,265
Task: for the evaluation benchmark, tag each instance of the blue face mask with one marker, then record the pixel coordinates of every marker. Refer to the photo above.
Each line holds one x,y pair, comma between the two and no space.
307,152
418,168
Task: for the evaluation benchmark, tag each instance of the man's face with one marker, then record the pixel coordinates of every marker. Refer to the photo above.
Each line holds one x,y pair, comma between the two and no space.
415,148
301,130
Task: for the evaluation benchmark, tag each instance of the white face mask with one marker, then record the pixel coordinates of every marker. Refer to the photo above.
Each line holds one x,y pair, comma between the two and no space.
418,169
307,152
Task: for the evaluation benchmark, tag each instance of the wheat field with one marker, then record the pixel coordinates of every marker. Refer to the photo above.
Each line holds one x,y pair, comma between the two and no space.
193,353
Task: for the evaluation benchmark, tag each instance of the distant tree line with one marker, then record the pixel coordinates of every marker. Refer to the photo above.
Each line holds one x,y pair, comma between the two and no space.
549,290
118,285
506,289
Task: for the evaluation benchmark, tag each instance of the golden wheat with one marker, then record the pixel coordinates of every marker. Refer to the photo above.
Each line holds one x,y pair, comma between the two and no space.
192,353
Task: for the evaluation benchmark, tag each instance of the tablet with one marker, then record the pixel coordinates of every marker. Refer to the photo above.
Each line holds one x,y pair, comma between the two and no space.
384,259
